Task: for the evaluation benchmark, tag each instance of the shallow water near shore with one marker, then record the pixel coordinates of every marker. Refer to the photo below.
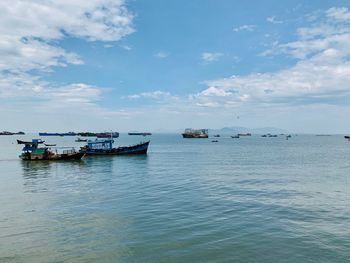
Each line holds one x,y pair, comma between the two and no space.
251,199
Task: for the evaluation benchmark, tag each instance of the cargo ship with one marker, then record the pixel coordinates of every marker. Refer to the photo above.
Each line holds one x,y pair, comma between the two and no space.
57,134
140,133
193,133
11,133
107,135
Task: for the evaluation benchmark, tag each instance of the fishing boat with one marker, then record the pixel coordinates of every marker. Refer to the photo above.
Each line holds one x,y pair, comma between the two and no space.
192,133
235,136
105,147
107,135
32,152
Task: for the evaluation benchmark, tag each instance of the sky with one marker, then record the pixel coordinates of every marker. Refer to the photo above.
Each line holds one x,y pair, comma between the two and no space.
155,65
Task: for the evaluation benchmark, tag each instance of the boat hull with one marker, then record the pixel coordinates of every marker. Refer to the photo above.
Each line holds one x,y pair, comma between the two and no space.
125,150
52,157
201,136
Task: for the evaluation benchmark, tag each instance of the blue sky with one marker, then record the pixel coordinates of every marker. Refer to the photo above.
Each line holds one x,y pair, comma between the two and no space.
150,65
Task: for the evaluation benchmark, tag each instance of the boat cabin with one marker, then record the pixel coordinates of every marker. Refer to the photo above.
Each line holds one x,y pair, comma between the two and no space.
98,144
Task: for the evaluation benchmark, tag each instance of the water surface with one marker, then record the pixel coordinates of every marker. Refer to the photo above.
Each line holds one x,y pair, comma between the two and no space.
239,200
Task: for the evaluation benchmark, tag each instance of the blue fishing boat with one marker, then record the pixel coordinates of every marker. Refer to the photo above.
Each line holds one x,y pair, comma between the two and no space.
105,147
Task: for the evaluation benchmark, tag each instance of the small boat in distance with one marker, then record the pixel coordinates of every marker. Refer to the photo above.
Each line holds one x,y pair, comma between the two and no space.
214,141
32,152
107,135
235,136
81,140
217,135
244,134
105,147
140,133
192,133
347,137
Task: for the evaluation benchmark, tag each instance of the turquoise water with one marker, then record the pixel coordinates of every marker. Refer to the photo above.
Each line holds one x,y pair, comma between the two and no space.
239,200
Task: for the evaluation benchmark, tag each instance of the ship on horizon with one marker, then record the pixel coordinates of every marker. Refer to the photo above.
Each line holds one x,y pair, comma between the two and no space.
193,133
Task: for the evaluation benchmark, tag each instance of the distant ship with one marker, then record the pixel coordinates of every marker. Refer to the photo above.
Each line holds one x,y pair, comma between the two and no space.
140,133
107,135
192,133
57,134
244,134
11,133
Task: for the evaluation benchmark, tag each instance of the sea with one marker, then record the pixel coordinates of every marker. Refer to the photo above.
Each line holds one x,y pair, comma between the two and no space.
250,199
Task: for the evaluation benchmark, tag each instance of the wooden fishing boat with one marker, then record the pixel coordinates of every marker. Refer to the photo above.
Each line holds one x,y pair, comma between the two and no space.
32,152
105,147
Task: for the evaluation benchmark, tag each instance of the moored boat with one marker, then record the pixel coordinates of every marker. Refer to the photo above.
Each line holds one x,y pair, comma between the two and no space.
192,133
32,152
105,147
235,136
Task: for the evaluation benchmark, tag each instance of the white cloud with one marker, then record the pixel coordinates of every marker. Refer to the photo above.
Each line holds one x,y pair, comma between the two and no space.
30,34
320,76
210,57
339,13
150,95
126,47
273,20
249,28
161,54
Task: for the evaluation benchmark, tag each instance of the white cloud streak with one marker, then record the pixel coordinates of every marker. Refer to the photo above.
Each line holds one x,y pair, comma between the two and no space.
211,56
249,28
